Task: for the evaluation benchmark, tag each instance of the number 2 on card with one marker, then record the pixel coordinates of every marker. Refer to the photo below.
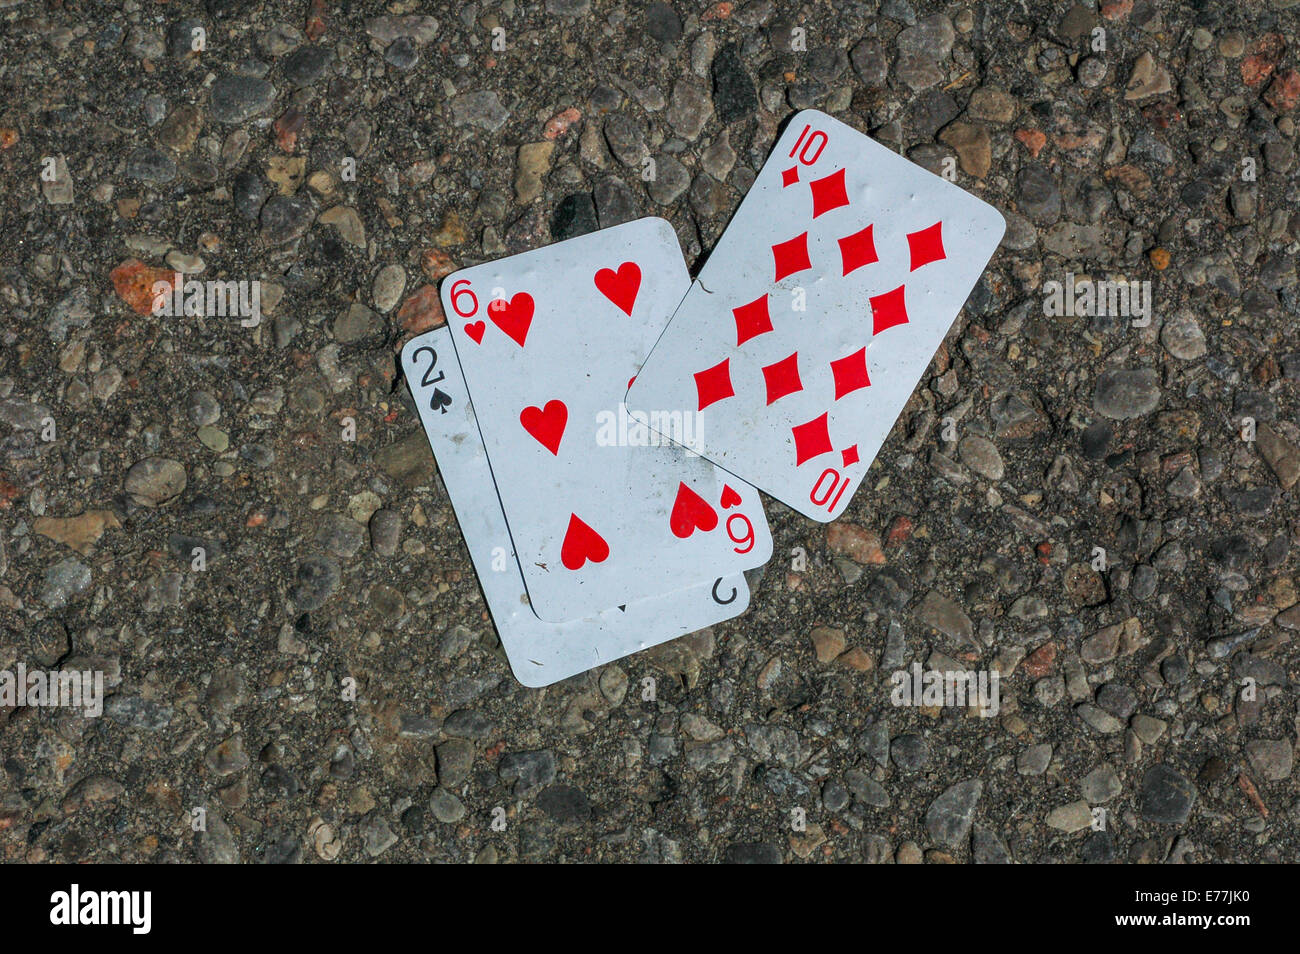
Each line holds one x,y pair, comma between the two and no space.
439,400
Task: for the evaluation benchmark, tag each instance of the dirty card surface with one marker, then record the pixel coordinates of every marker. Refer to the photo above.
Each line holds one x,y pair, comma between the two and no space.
540,653
813,320
548,341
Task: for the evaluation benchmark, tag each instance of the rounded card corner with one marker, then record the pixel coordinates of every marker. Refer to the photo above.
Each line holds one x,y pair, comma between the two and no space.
662,224
997,221
409,348
809,116
540,678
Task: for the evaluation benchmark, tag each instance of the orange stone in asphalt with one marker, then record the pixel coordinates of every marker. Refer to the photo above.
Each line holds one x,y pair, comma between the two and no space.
1284,92
134,282
436,264
899,531
1033,139
1039,663
422,311
559,124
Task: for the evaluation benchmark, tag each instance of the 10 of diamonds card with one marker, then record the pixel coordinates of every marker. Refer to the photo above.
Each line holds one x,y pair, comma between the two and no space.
540,653
818,312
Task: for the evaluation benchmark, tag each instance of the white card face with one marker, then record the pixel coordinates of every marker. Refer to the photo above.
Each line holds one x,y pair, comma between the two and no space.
817,313
601,513
540,653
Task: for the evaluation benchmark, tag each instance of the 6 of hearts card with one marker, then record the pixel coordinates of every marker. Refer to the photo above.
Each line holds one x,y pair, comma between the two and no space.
548,341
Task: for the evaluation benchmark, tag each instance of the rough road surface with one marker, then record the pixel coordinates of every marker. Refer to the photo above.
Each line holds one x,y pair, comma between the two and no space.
1100,508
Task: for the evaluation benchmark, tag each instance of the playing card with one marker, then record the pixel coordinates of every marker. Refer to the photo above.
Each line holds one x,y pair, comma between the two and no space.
540,653
602,509
813,320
